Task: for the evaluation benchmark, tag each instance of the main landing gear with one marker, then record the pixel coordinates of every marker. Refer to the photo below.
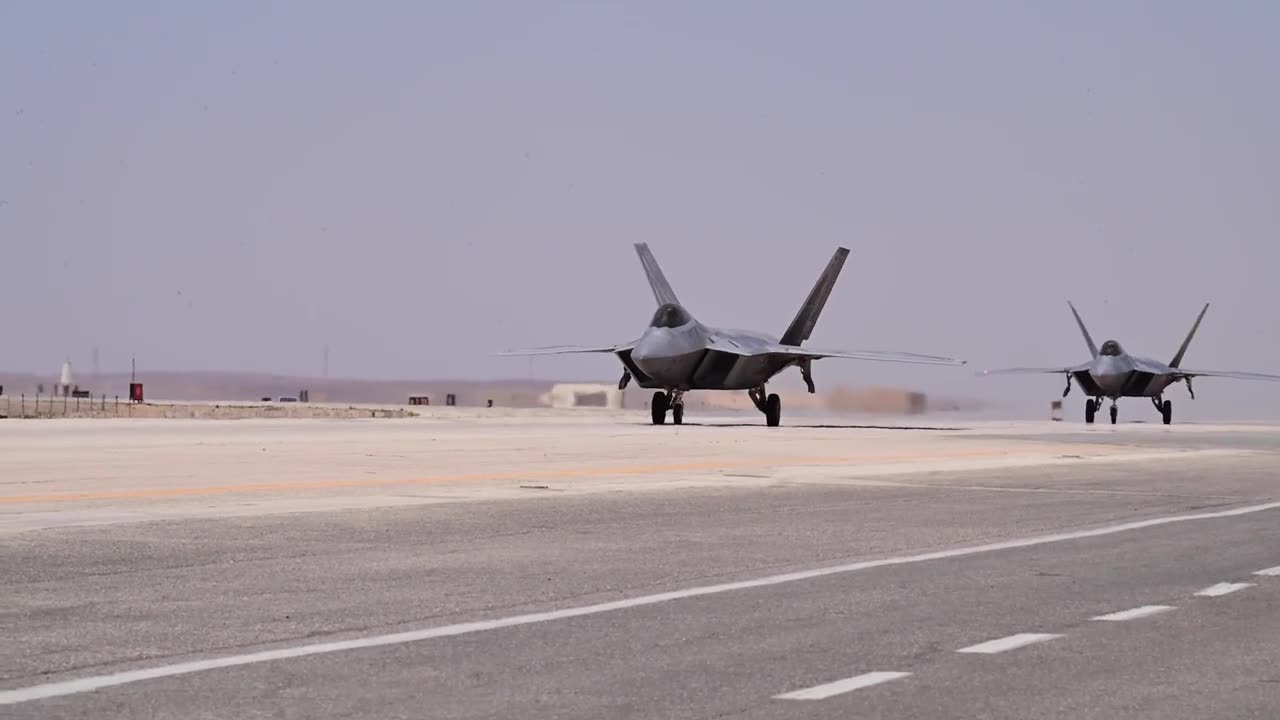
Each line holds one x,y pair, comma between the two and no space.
771,405
662,402
1165,408
1092,406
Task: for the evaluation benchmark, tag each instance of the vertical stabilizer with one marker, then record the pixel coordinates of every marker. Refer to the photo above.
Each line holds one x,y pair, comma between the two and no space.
802,326
662,291
1177,359
1083,330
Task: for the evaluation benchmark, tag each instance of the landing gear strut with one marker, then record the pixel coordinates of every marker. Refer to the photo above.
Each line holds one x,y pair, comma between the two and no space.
806,372
1165,409
771,405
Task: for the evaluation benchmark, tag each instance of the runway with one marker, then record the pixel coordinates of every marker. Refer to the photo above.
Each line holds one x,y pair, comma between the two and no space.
593,566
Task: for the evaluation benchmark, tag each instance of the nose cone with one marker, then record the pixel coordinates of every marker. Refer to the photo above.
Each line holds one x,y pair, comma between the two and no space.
1109,366
655,344
668,355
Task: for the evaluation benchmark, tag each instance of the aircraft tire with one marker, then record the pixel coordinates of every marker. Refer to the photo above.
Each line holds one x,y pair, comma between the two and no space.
1166,412
1089,411
677,413
659,408
1115,413
773,411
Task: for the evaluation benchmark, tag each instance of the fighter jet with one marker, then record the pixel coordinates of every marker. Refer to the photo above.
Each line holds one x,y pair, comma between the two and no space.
1114,373
676,353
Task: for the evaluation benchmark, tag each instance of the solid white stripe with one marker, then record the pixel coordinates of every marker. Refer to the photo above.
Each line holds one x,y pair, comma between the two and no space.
857,682
72,687
1135,613
1012,642
1223,589
1269,571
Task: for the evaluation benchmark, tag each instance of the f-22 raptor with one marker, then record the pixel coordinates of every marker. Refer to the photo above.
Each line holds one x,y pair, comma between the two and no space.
676,353
1114,373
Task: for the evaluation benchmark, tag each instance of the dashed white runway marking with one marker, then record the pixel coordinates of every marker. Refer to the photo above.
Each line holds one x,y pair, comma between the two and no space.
1135,613
1012,642
306,649
839,687
1269,571
1222,589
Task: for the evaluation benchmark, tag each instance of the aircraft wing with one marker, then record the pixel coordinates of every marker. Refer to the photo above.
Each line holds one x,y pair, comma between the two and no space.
873,355
1234,374
566,349
1036,371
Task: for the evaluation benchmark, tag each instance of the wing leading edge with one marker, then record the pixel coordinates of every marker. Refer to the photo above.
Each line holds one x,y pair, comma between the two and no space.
1035,371
566,349
872,355
1233,374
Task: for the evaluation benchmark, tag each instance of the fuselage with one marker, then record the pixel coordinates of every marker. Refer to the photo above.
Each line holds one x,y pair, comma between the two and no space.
1116,374
676,352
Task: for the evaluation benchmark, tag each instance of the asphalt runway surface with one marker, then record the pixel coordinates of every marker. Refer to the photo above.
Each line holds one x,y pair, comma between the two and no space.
571,567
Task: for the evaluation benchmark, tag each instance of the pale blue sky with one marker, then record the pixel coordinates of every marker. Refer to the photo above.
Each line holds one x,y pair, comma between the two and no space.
234,185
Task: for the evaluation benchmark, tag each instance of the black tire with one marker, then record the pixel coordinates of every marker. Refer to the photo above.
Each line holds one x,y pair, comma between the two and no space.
1115,413
659,408
1089,411
1166,412
773,411
677,413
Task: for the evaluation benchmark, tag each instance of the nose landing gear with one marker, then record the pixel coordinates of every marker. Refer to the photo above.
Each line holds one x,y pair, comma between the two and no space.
662,402
1092,406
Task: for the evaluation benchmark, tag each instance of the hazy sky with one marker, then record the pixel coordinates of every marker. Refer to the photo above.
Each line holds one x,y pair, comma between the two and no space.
235,185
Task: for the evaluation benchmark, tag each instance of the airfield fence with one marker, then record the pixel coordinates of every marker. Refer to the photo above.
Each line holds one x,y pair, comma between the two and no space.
51,406
42,406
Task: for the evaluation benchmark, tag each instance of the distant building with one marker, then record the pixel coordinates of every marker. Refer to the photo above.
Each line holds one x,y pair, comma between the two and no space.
572,395
64,379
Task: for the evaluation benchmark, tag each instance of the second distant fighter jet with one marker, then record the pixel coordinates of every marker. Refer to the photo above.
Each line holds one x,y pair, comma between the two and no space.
1114,373
677,353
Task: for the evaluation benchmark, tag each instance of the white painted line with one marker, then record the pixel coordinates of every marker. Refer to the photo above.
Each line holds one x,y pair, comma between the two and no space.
1222,589
97,682
1012,642
1135,613
1269,571
831,689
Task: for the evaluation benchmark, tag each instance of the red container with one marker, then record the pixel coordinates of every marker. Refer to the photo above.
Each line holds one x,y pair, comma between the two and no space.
135,392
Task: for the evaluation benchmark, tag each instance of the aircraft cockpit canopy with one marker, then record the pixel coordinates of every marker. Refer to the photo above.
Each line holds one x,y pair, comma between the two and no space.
1111,348
669,316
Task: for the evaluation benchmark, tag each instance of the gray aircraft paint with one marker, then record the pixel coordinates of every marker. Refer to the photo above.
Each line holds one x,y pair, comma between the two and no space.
1113,373
677,353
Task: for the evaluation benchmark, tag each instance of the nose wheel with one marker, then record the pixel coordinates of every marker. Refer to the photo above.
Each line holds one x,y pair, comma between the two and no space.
1115,413
659,408
1090,409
